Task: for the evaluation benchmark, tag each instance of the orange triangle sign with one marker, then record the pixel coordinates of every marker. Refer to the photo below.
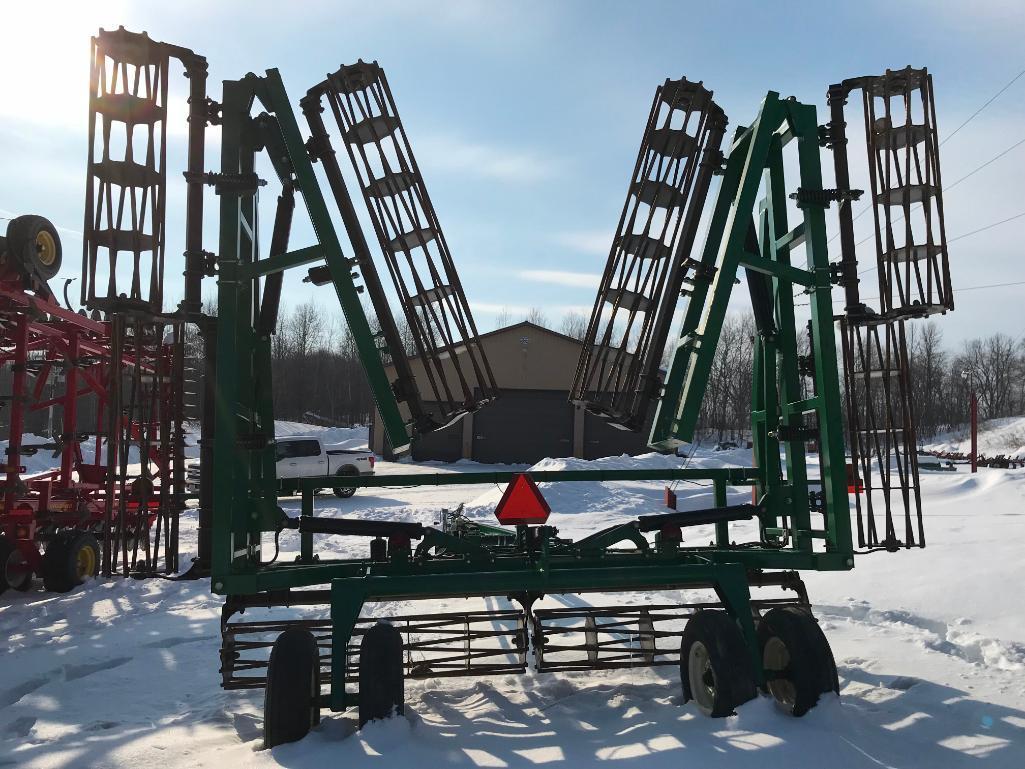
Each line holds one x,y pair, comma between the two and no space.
522,503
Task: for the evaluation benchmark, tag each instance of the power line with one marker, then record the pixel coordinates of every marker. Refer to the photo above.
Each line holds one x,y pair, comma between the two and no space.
951,240
979,168
992,99
947,188
950,136
963,235
991,285
956,290
988,226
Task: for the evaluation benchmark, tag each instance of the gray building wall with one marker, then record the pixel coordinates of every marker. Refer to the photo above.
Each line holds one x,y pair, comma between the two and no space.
533,418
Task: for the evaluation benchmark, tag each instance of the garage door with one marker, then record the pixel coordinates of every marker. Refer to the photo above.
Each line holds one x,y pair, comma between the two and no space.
524,426
445,445
601,439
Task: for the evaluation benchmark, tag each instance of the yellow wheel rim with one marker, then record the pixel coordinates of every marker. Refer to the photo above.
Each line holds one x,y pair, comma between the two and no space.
46,248
85,562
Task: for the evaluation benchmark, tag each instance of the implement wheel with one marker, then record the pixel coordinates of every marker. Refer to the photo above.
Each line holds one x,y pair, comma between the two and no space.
290,704
715,664
798,662
14,569
381,686
34,245
70,559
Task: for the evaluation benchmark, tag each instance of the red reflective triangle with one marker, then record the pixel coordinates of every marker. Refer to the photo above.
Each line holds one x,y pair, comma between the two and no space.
522,503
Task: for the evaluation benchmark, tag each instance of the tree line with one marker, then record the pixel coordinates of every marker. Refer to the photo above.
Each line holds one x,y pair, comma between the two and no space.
940,379
318,378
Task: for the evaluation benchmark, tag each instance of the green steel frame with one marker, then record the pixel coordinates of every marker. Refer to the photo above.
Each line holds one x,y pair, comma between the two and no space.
781,418
245,490
245,499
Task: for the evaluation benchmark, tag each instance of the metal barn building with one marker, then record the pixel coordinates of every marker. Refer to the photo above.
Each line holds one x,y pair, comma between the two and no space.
533,418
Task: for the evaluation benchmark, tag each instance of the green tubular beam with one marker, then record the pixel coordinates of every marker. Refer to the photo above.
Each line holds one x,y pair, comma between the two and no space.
833,460
735,476
691,365
463,571
777,406
232,543
281,262
245,486
275,99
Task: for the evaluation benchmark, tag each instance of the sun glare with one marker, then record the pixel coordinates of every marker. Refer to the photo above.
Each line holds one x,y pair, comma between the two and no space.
49,61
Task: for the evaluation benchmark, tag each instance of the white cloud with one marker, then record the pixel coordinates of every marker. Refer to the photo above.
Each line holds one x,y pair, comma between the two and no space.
596,242
562,278
490,308
450,154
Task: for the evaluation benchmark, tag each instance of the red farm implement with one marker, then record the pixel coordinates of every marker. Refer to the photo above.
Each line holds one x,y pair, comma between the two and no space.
104,384
106,498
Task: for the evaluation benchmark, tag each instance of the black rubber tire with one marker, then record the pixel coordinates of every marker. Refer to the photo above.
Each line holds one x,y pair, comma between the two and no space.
345,493
728,672
22,235
381,685
810,670
62,561
9,550
290,704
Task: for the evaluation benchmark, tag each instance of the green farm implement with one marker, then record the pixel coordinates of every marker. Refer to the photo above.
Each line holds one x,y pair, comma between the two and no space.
767,227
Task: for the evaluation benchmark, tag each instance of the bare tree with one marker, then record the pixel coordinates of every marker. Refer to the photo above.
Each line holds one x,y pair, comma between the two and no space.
574,324
503,319
537,316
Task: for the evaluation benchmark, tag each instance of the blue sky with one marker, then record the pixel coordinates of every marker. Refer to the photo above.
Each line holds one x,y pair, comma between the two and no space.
526,117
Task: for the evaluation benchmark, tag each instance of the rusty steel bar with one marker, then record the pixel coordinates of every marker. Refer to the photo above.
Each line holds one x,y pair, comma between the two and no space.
906,193
649,266
126,188
911,259
457,377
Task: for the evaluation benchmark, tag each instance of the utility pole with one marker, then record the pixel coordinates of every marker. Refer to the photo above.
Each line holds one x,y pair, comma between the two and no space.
973,410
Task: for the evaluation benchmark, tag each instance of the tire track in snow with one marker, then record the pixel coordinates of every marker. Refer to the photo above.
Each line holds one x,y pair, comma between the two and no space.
935,635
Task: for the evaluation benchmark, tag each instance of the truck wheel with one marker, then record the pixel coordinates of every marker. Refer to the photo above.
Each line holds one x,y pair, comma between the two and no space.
715,666
14,569
34,245
798,663
346,491
70,558
290,705
381,686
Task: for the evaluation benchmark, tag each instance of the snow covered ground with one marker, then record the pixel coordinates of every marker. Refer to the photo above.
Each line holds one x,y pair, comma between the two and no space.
930,646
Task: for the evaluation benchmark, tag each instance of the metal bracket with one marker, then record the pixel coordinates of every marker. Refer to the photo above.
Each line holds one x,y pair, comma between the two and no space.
319,145
209,259
795,433
816,502
808,198
242,185
836,274
213,111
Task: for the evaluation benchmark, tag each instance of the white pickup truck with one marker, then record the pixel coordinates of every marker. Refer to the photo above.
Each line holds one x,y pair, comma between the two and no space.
304,456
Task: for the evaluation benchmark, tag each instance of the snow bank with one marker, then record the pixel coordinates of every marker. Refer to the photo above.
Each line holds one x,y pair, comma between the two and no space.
996,436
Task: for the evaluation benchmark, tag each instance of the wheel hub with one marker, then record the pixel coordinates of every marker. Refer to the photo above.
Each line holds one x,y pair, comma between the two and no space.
15,568
702,677
46,248
776,661
85,563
